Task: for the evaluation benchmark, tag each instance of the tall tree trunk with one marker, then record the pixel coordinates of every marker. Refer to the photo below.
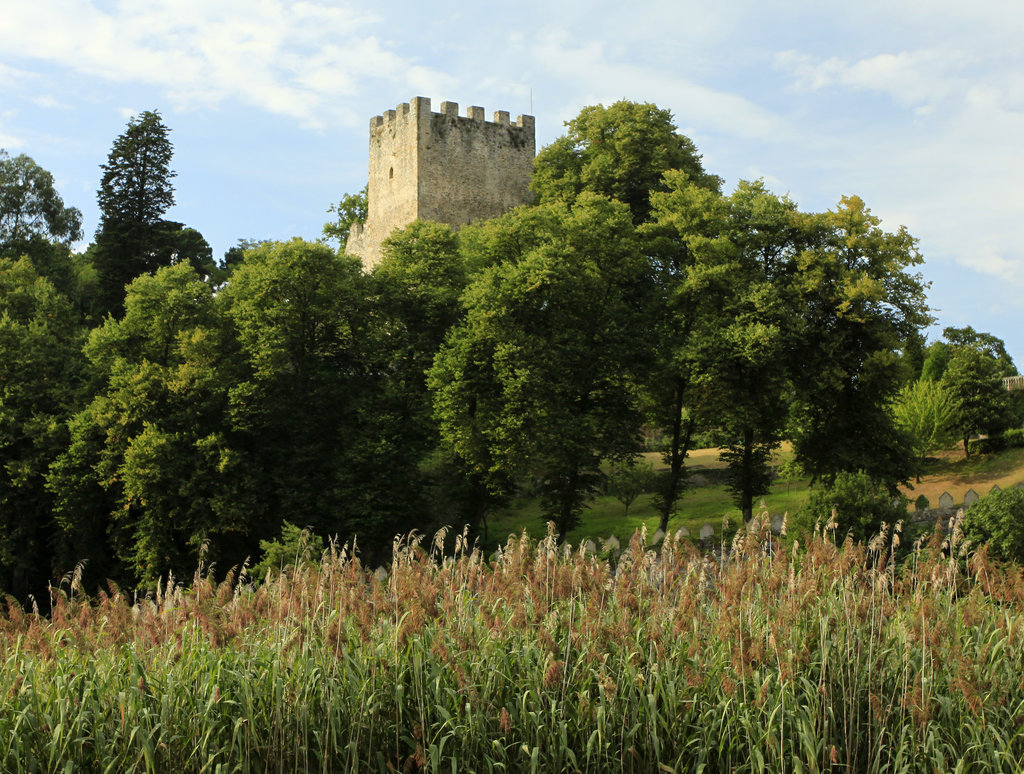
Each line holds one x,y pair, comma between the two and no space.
682,432
747,493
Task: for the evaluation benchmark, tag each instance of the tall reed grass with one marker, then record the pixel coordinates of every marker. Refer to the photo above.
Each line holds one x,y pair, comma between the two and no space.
543,659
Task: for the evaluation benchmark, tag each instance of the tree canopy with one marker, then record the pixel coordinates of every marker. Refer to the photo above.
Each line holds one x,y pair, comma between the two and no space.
621,151
136,183
30,206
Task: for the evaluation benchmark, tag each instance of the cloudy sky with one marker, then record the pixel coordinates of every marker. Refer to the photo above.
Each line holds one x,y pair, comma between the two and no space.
917,106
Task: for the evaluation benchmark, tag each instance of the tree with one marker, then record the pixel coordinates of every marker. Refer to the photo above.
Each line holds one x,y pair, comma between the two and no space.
135,192
857,303
149,473
417,287
991,346
40,379
626,480
687,255
136,184
31,208
981,403
35,223
350,210
322,438
621,151
731,326
537,380
925,411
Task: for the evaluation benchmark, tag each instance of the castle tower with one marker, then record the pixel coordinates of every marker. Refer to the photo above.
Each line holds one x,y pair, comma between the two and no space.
443,167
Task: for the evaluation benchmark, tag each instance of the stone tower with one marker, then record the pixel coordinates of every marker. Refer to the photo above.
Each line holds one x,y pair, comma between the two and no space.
443,167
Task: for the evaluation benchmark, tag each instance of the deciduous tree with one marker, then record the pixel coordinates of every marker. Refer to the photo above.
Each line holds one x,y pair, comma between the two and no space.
621,151
858,300
30,206
539,378
981,402
926,411
40,378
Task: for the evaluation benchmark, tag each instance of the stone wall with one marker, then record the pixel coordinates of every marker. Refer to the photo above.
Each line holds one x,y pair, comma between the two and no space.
444,167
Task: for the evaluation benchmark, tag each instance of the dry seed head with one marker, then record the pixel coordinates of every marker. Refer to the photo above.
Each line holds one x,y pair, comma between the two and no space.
832,524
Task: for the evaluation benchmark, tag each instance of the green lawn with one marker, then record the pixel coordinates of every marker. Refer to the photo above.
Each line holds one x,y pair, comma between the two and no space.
711,502
606,515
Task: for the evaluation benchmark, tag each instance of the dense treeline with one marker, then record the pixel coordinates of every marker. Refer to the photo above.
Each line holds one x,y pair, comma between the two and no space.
155,402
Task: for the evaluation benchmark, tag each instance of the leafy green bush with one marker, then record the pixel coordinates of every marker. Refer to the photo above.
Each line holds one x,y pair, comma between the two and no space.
860,502
1011,439
295,547
998,520
1014,438
986,445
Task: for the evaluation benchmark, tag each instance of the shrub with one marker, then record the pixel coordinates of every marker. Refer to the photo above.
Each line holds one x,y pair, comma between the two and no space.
922,503
998,520
986,445
861,504
1014,438
626,481
1011,439
295,547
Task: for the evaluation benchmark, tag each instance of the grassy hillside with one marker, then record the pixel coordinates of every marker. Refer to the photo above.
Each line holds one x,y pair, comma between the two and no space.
711,503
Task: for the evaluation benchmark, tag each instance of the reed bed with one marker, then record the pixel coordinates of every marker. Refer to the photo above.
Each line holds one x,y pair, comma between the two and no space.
542,658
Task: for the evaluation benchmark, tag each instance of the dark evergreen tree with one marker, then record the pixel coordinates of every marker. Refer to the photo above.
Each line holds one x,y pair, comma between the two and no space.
133,238
136,185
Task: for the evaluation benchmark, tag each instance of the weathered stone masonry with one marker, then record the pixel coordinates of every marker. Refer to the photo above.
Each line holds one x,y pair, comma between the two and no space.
444,167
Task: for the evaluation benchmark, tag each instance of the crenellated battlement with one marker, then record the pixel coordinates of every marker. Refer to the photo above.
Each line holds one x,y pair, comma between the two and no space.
420,107
443,167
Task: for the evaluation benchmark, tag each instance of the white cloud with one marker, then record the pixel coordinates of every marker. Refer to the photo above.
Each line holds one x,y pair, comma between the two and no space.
299,59
605,78
11,77
912,78
46,101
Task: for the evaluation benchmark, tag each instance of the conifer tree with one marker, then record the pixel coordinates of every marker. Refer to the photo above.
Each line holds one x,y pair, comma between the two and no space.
136,185
133,238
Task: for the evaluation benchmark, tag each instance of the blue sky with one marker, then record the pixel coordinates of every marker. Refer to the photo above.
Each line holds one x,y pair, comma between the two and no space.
916,106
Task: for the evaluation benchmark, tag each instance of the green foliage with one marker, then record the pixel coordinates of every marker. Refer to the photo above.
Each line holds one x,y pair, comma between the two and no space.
133,239
936,361
861,505
857,301
981,402
148,476
40,371
136,184
621,151
350,210
30,206
323,439
990,346
536,379
295,547
1011,439
998,519
626,480
925,411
